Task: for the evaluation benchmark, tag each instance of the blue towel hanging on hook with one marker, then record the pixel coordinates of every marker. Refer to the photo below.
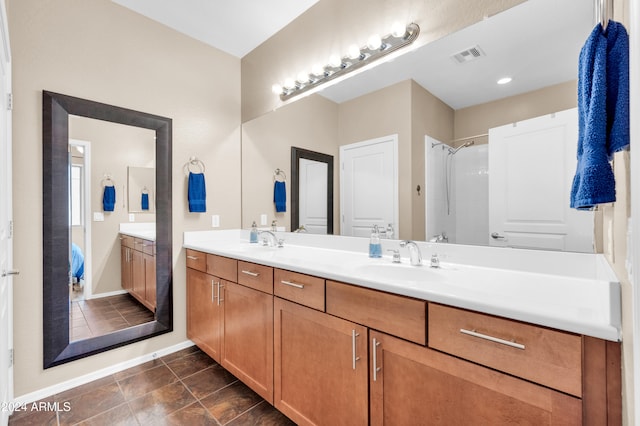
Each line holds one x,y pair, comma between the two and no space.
280,196
109,198
197,193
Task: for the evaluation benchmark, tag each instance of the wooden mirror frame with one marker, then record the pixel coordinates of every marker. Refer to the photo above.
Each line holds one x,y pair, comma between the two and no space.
296,155
56,109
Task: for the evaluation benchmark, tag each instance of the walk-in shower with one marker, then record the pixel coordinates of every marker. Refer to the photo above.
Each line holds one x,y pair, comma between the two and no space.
448,167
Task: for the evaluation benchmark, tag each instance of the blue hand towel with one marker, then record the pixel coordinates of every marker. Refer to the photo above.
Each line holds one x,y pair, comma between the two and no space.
280,196
197,193
109,198
145,202
603,114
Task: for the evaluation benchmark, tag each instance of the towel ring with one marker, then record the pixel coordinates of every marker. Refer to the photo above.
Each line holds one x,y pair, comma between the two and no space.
193,161
281,174
107,180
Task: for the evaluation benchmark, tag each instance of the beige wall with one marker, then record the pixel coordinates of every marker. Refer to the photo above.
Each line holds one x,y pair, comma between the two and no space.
104,52
113,148
330,26
311,124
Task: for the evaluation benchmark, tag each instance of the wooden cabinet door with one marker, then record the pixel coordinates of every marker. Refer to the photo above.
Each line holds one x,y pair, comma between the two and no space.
150,281
137,274
411,384
247,346
204,312
320,368
125,268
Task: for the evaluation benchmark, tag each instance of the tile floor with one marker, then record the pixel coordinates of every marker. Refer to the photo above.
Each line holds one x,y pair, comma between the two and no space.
95,317
184,388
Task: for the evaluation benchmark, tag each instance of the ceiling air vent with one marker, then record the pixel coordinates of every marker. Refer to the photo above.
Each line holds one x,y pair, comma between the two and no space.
467,55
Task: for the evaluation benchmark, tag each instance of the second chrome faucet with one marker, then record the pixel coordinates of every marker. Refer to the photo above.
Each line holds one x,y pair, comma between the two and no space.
414,252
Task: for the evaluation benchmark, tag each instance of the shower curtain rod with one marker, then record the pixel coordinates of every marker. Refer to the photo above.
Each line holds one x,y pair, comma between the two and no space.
469,137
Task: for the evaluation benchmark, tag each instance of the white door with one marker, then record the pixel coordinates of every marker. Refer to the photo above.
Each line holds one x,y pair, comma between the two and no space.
312,205
6,220
369,185
531,168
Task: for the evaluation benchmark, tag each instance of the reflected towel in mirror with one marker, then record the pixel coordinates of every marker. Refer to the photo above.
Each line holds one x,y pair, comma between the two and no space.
145,202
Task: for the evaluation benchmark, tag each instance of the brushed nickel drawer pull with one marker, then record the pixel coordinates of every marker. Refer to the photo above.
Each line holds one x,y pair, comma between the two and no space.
374,348
253,274
492,339
353,347
292,284
192,257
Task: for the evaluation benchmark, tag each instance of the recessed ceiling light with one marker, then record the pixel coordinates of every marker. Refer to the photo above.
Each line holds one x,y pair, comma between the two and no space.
504,80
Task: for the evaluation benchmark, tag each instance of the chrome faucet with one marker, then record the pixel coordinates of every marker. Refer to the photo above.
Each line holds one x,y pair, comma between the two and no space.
440,238
269,239
414,252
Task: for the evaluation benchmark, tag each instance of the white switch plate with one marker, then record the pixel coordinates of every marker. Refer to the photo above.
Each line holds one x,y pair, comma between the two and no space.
132,217
215,221
98,217
263,219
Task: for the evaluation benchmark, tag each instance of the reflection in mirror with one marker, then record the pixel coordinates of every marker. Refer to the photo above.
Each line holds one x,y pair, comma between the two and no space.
81,224
141,189
311,191
458,103
100,304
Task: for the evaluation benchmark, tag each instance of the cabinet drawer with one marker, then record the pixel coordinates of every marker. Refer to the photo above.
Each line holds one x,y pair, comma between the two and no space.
126,241
549,357
303,289
222,267
196,260
146,246
256,276
399,316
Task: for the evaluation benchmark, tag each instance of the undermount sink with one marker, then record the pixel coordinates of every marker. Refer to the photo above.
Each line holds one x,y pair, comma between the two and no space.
400,272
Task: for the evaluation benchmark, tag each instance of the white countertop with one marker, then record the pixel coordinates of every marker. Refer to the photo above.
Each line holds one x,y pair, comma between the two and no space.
145,230
567,291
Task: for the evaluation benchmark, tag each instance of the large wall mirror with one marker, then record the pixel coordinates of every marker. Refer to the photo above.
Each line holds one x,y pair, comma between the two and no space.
429,93
68,213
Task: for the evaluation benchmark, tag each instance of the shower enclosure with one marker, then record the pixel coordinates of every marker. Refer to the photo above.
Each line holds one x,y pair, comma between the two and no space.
457,192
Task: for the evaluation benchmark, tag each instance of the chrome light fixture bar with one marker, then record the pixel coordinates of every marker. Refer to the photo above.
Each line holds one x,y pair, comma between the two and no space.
375,49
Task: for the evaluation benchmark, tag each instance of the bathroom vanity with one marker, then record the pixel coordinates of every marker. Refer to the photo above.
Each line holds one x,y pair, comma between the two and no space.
307,329
138,267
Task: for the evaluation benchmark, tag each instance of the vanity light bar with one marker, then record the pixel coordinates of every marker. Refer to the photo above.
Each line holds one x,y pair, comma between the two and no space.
375,49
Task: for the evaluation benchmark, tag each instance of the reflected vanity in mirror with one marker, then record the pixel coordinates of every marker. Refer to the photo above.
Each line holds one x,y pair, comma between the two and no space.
68,189
311,191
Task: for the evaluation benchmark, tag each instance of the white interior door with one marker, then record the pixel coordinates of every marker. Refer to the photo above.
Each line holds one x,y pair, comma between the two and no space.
369,185
6,227
531,168
313,206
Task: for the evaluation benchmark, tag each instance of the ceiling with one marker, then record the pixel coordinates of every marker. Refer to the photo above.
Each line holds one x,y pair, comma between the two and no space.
536,43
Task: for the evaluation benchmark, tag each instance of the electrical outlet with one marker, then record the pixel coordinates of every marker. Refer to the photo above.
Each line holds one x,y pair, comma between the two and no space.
215,221
263,219
98,217
132,217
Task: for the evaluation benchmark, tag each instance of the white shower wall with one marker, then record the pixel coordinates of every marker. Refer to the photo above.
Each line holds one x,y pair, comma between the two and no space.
467,221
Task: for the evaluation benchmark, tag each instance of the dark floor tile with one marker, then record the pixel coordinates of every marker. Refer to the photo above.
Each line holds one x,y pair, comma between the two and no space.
135,386
137,369
34,414
118,416
91,404
208,381
228,403
181,353
190,364
154,406
79,390
193,415
263,414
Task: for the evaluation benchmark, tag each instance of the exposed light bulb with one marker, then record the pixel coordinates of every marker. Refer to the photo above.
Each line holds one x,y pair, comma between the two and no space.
289,83
276,88
353,52
303,77
335,61
504,80
398,30
317,69
374,42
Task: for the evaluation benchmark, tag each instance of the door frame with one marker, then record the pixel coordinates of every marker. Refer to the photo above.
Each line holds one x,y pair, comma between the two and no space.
88,285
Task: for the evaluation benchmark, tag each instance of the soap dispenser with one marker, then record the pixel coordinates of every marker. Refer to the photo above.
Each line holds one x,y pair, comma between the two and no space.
375,248
390,232
253,235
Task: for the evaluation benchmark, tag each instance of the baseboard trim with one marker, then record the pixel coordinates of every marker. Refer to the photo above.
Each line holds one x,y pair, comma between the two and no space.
69,384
